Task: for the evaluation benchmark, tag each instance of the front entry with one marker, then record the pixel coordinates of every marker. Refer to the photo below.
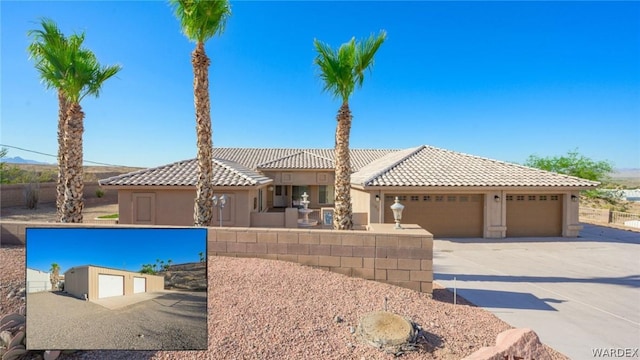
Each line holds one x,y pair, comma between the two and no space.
280,196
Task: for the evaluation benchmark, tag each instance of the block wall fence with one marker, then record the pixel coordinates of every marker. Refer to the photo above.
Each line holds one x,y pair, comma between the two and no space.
13,195
399,257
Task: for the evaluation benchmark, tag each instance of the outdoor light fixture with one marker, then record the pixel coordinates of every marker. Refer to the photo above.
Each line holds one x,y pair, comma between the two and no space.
397,212
377,198
219,202
496,198
270,188
574,198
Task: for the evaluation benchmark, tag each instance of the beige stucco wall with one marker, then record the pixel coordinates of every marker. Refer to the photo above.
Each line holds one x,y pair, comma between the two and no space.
76,281
174,206
364,207
84,280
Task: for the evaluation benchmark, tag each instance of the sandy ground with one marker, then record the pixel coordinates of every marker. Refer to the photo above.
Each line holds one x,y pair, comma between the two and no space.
46,212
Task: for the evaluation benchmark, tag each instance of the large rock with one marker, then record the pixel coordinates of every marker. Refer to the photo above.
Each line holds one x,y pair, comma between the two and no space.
190,277
513,344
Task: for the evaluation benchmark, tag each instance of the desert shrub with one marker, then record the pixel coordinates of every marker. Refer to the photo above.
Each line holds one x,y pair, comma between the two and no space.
31,195
99,192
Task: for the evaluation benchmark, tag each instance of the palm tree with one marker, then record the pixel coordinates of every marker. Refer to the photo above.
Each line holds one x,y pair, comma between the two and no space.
55,275
200,21
48,42
76,73
341,70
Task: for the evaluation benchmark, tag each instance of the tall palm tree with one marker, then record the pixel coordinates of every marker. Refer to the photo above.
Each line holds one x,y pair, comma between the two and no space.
341,70
76,73
47,42
55,275
200,21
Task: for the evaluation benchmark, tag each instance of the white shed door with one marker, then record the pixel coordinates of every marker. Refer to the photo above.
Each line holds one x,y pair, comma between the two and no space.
139,285
110,285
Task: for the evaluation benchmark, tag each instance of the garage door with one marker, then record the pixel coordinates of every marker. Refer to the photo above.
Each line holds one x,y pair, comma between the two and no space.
534,215
110,285
449,215
139,285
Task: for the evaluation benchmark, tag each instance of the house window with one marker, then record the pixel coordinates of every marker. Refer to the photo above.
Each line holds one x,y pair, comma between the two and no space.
439,198
426,198
415,198
451,198
554,197
543,197
532,198
509,197
296,193
520,198
464,198
326,194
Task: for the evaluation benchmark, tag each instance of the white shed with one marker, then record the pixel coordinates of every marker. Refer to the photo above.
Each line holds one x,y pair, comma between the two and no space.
38,281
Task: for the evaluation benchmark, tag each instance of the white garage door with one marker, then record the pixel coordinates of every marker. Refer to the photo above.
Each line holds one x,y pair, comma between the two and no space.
110,285
139,285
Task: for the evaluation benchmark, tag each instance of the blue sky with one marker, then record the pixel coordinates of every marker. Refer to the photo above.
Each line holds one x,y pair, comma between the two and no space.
126,249
502,80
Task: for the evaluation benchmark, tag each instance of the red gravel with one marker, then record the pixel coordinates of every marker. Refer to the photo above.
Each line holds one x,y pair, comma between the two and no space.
262,309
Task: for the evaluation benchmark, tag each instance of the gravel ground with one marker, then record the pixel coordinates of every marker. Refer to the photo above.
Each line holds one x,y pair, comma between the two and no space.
262,309
174,321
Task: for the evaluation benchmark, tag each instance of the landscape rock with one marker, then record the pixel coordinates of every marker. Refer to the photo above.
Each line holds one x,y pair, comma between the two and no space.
521,344
189,277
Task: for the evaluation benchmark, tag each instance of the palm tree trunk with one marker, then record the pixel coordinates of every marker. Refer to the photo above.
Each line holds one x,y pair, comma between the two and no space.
73,174
62,114
203,207
342,218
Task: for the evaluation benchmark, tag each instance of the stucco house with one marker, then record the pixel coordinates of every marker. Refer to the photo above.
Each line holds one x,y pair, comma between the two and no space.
450,194
97,282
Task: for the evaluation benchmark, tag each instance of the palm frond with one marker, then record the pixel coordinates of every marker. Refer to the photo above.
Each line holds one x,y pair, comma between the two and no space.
343,69
201,19
365,54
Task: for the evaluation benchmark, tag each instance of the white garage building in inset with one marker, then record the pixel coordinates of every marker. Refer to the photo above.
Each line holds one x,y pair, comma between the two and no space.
102,282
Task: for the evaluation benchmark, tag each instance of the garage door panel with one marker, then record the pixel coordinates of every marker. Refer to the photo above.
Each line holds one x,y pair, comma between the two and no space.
139,285
530,215
450,215
110,285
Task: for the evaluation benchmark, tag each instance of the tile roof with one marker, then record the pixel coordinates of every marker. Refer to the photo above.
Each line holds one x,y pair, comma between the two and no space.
254,157
419,166
184,173
299,160
431,166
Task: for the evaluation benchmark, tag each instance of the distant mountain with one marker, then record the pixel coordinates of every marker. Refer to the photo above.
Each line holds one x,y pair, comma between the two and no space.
626,173
19,160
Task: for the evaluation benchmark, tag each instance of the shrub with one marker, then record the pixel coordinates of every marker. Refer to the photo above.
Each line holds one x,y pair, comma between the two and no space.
99,192
31,195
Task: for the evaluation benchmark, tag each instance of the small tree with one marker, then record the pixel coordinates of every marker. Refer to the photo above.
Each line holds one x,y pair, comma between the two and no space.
574,164
55,275
202,258
147,269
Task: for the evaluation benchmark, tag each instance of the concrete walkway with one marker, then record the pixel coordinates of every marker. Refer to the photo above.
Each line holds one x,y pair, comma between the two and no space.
578,294
118,302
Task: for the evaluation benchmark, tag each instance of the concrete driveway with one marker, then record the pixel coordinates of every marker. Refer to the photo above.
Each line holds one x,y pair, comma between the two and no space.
578,294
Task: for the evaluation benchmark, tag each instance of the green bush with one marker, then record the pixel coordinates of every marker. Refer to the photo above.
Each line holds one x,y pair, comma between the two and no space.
99,192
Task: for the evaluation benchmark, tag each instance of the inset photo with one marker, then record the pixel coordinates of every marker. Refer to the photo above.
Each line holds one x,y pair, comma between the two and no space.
116,288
